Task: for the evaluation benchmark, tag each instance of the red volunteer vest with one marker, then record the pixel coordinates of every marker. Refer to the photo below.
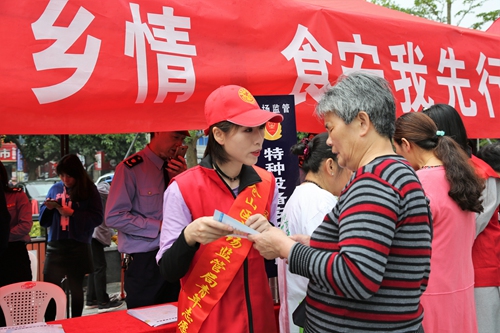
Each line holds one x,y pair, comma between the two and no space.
246,305
486,248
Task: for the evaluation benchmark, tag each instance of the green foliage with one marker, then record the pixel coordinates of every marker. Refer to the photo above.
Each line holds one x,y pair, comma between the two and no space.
485,142
37,231
193,136
391,4
40,149
486,18
430,9
115,145
442,10
301,135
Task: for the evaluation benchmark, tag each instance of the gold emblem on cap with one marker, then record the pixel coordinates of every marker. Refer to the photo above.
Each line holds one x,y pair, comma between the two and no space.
246,96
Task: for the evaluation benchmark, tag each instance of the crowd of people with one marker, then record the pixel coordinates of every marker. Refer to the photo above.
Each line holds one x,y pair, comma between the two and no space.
393,226
454,191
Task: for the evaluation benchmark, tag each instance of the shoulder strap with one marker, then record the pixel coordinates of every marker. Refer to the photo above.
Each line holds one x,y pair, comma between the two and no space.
133,161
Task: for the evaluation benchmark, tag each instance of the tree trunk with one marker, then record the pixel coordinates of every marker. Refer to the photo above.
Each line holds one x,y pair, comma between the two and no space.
448,11
191,154
32,166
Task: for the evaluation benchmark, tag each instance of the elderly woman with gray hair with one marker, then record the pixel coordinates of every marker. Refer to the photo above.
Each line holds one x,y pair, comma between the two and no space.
369,261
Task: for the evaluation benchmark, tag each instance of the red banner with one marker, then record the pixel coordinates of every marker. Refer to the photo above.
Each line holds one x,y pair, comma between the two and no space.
88,66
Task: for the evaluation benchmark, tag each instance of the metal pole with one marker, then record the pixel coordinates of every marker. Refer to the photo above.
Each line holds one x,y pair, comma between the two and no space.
131,145
64,144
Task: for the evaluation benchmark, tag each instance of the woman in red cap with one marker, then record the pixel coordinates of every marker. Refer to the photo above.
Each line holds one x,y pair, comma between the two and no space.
224,283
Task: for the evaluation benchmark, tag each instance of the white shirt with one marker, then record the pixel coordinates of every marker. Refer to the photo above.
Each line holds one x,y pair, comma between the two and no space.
303,212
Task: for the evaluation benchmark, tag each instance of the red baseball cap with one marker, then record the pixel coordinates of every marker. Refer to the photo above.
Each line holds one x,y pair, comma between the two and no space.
237,105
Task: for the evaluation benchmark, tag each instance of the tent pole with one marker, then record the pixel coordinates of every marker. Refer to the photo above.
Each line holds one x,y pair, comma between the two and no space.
64,144
131,145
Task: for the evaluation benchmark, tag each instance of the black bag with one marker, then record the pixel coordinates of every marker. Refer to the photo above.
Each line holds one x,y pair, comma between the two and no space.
299,314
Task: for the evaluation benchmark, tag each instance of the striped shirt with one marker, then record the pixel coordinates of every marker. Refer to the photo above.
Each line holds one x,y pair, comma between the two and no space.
369,261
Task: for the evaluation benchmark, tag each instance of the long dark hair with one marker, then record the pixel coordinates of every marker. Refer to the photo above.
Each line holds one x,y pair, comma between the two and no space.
4,179
465,185
448,119
491,155
313,152
72,166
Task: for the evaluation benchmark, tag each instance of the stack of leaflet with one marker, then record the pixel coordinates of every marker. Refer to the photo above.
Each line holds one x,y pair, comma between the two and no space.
155,315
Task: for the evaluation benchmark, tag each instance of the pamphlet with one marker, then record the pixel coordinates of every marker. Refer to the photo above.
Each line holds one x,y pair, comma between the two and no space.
155,315
33,328
226,219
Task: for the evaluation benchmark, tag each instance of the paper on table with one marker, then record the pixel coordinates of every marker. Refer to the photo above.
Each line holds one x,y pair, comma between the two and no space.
33,328
155,315
226,219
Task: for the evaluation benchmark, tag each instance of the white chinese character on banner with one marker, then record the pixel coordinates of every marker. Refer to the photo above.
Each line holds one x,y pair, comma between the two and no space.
487,78
265,107
359,48
286,108
281,198
310,62
275,167
276,153
55,56
280,183
175,67
412,79
454,83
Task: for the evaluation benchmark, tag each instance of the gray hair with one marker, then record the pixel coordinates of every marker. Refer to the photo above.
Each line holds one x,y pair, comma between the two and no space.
361,91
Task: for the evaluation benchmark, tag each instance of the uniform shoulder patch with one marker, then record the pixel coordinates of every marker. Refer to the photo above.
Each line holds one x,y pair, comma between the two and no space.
133,161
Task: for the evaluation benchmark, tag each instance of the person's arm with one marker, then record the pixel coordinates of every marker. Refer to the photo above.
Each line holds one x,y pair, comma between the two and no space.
46,214
24,218
90,216
4,222
356,267
119,208
181,237
273,217
175,255
175,261
491,201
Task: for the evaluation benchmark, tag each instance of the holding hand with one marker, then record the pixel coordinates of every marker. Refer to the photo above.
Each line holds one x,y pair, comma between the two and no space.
65,211
258,222
51,203
272,243
176,166
302,239
205,230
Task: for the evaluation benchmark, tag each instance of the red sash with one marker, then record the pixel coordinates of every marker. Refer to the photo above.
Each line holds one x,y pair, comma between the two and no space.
220,261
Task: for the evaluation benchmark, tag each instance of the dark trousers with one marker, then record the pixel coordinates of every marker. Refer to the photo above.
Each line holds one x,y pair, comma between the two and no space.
75,286
71,259
96,286
15,264
144,284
